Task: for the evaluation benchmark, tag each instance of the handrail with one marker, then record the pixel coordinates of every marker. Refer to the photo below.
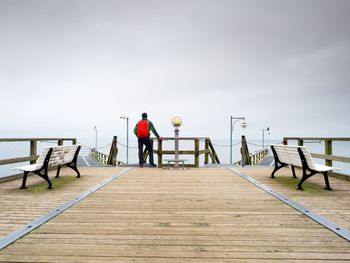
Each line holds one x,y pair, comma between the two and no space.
111,158
37,139
318,138
328,150
208,150
98,156
257,157
18,160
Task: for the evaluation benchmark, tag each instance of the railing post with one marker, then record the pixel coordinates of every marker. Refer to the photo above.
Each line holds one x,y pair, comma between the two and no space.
74,141
59,142
215,157
245,160
300,142
112,157
33,145
328,151
196,155
206,155
160,153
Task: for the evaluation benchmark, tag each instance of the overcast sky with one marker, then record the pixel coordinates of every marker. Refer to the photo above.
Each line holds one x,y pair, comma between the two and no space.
66,66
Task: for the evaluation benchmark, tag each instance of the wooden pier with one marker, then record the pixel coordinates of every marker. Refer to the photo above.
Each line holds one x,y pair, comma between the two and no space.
160,215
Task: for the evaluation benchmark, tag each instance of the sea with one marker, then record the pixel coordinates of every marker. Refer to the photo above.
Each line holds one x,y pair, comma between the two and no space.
222,148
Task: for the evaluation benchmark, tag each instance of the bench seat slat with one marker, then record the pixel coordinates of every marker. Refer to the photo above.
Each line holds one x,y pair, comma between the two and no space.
323,168
30,167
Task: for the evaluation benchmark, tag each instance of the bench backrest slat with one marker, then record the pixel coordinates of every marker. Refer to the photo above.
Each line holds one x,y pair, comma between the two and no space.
308,158
56,156
289,154
281,153
293,154
60,154
69,153
42,156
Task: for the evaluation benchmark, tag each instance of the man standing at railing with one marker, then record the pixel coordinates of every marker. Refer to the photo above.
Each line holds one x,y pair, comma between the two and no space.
142,131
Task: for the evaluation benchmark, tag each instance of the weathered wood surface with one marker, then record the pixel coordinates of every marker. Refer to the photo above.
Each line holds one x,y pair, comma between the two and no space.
331,157
334,205
193,215
19,207
18,160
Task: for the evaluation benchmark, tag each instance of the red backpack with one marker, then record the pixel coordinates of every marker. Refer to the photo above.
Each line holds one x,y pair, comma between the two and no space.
143,129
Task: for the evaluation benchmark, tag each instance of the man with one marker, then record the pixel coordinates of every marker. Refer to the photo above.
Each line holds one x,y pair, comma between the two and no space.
142,132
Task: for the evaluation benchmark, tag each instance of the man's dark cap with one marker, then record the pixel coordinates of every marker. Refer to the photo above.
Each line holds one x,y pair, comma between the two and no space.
144,115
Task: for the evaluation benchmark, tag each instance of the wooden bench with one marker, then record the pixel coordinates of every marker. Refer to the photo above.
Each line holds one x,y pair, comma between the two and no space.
176,161
298,156
56,156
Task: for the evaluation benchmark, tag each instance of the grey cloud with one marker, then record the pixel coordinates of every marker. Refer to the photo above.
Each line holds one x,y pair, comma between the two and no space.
200,59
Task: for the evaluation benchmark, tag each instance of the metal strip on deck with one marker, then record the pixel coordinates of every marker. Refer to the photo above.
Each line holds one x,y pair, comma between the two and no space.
12,237
339,230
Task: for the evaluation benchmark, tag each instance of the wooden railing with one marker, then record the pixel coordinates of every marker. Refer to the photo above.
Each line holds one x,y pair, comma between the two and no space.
111,158
256,158
328,149
99,156
208,151
33,150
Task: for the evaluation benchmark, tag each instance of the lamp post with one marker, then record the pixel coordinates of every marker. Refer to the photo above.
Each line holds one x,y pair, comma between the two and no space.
244,124
176,121
95,130
127,137
263,136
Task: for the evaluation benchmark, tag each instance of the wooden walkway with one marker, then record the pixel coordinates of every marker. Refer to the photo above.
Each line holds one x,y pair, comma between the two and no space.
19,207
335,205
159,215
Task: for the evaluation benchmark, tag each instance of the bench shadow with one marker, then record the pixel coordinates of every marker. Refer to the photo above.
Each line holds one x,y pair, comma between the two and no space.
57,183
290,182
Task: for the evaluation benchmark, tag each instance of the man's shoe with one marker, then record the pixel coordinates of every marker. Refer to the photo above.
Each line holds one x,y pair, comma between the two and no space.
152,165
141,165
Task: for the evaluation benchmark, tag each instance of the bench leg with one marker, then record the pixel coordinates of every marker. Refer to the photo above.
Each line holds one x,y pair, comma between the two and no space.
303,179
293,170
45,176
328,187
75,168
47,179
299,187
70,165
25,175
277,167
58,171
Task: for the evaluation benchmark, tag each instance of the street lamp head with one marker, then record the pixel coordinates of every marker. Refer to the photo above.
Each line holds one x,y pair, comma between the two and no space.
124,117
244,124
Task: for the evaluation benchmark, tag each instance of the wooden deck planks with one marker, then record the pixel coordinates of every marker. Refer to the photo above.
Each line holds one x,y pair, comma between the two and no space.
334,204
194,215
19,207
